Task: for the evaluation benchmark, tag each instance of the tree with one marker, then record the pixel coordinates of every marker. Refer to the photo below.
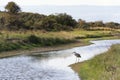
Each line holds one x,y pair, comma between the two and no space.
98,24
83,24
112,24
48,24
13,22
65,19
12,7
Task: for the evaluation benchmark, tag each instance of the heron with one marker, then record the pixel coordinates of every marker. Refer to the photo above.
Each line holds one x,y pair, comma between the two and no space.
77,56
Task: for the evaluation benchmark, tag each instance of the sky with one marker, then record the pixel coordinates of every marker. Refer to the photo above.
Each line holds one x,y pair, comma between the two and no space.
64,2
88,13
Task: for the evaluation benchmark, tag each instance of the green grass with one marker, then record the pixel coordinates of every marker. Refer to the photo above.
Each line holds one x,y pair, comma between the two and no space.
44,38
32,42
103,67
61,34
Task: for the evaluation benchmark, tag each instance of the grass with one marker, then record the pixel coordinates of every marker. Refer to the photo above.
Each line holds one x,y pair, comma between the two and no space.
61,34
103,67
31,42
15,40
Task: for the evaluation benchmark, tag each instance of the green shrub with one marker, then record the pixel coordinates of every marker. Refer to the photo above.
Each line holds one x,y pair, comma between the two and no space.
33,39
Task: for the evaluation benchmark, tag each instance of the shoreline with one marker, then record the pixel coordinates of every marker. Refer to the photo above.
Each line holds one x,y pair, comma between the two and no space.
42,49
83,42
50,48
85,72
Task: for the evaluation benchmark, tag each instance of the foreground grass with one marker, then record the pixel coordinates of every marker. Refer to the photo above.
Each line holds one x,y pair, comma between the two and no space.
103,67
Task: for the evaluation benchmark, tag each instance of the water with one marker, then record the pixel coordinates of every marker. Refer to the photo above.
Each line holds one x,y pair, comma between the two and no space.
52,65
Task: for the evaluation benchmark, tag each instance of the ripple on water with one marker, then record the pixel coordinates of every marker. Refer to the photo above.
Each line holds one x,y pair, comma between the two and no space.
22,68
50,67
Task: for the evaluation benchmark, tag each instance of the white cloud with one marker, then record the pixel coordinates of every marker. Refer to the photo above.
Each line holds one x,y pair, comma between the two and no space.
63,2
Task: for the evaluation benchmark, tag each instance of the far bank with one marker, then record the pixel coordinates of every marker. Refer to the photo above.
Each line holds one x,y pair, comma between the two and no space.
17,42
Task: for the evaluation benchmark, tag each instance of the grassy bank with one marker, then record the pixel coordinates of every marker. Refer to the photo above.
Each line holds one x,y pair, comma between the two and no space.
30,42
103,67
41,38
47,41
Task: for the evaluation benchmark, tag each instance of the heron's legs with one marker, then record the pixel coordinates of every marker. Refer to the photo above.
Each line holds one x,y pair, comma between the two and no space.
77,60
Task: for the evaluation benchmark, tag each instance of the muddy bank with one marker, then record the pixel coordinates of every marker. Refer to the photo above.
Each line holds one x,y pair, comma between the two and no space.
42,49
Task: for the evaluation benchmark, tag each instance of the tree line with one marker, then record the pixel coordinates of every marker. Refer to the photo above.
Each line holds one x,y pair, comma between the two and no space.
97,24
14,19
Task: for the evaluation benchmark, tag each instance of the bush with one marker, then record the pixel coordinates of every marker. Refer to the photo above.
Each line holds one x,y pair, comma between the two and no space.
33,39
47,41
8,46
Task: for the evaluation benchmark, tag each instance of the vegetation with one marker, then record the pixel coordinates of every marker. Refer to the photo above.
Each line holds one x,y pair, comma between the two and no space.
29,42
12,7
97,25
102,67
14,19
14,40
22,30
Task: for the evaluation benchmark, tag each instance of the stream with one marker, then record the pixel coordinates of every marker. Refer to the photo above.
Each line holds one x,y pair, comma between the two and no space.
53,65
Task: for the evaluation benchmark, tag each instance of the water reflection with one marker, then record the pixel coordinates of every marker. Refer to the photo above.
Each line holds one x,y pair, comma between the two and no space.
67,57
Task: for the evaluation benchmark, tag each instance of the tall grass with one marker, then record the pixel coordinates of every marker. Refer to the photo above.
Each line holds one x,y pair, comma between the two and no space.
14,40
47,41
61,34
31,42
103,67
